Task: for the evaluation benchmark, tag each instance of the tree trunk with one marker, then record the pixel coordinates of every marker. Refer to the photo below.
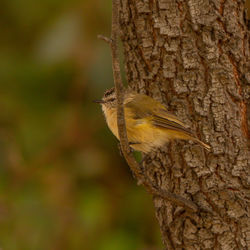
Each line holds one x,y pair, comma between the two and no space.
192,55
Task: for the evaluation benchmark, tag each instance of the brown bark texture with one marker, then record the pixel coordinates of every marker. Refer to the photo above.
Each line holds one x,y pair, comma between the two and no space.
193,56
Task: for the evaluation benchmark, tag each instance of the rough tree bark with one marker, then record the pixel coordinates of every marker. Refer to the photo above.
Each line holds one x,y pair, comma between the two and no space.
192,55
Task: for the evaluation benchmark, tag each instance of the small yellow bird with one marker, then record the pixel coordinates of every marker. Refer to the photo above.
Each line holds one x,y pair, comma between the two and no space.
148,123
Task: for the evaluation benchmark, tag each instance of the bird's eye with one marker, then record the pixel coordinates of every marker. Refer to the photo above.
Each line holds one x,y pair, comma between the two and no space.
111,99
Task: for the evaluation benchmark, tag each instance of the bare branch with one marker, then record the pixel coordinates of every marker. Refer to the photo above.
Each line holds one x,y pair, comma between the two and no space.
105,39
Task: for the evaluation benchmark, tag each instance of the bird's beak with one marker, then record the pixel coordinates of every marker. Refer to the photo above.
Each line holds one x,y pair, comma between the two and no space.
99,101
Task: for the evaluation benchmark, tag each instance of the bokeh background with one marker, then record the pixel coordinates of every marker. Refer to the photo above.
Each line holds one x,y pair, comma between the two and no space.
63,184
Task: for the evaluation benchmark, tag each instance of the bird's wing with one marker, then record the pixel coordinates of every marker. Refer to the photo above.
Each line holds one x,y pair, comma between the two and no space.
145,107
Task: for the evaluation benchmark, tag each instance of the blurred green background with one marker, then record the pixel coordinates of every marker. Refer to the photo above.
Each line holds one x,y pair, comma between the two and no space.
63,184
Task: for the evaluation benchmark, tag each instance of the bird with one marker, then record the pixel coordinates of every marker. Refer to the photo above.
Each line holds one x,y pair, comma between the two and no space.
149,125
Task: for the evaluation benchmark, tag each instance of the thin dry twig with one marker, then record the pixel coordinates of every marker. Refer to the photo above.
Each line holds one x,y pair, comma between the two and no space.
134,166
105,39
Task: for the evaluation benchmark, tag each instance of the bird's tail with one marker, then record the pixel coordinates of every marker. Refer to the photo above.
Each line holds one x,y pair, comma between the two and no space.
204,145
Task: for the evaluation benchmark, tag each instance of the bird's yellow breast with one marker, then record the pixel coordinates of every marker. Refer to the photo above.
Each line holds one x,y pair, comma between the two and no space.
142,135
111,119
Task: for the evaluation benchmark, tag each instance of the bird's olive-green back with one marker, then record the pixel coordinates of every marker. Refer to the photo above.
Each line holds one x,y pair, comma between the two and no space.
145,107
